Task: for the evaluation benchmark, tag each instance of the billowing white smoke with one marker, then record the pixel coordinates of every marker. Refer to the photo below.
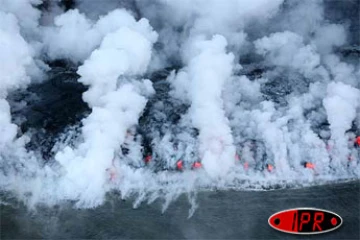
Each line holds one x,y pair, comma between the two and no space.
19,66
25,12
287,49
342,104
216,17
207,39
204,17
75,36
15,57
116,106
209,68
329,36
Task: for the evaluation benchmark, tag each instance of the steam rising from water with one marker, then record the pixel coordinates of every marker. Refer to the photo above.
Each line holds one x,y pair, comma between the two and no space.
303,106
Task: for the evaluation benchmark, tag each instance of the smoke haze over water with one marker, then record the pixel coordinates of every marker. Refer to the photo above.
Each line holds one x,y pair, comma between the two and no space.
115,95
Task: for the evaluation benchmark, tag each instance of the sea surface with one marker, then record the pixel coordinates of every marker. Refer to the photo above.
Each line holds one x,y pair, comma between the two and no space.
219,215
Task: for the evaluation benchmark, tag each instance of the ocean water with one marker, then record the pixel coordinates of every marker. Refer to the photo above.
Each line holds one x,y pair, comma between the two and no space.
220,215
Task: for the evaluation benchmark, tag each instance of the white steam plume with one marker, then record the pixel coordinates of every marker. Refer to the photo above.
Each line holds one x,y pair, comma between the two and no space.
342,105
209,69
19,66
28,16
115,105
75,36
288,50
17,63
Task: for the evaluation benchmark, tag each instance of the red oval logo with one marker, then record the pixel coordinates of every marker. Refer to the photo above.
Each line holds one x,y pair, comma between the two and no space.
305,221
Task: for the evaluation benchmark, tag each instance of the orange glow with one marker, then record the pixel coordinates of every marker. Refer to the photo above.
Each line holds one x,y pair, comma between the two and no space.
309,165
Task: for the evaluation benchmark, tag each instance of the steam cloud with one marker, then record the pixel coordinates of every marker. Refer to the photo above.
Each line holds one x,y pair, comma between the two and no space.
303,105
